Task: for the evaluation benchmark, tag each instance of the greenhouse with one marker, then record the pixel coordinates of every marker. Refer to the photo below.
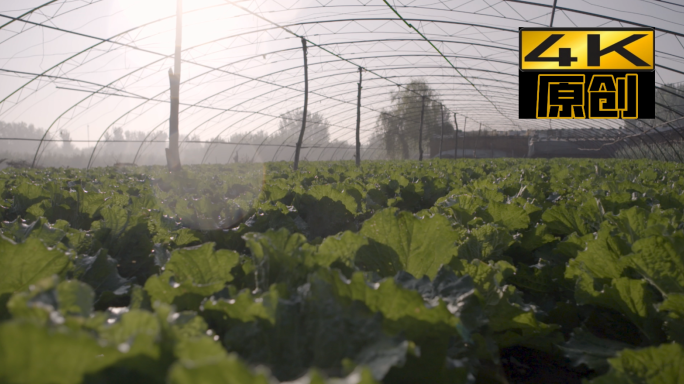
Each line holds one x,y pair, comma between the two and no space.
341,191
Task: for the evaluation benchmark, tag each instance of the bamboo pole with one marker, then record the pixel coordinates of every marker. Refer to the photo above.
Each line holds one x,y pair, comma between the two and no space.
306,104
464,137
420,131
455,137
441,112
172,153
553,13
358,121
477,141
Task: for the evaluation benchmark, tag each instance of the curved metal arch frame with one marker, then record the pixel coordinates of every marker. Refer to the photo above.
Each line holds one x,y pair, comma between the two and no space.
675,129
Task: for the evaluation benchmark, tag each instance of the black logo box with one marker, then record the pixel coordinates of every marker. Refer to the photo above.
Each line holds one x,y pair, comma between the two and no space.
527,91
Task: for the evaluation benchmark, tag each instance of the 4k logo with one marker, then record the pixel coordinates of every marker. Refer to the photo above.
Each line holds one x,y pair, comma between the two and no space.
579,50
587,73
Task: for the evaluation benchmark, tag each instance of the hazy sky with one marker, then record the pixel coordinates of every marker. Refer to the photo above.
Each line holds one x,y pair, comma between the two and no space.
240,72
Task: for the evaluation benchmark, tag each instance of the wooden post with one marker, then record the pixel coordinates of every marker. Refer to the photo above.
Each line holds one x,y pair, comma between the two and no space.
553,13
420,131
306,103
477,141
172,153
441,112
455,137
358,121
464,137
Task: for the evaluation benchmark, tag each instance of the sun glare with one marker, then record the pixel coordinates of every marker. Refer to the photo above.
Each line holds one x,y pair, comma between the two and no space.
199,24
138,12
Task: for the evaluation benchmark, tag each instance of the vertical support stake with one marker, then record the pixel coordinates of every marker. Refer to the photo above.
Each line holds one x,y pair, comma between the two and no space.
420,134
477,141
455,137
358,121
172,153
464,137
306,104
441,112
553,13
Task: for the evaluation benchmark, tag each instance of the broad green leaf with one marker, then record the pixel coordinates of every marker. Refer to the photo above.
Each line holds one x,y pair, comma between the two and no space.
489,194
601,258
245,307
636,223
375,199
310,328
630,297
101,273
359,376
487,242
536,278
226,370
140,299
321,191
27,263
75,298
40,229
34,354
402,309
186,237
673,310
27,194
130,325
564,220
512,322
534,238
280,256
50,299
457,292
584,348
202,264
674,303
116,219
461,206
422,246
343,248
280,244
509,215
378,358
326,210
515,326
661,261
488,277
185,295
198,349
572,245
653,365
89,202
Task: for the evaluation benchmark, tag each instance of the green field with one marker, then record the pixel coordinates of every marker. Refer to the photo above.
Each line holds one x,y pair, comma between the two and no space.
474,271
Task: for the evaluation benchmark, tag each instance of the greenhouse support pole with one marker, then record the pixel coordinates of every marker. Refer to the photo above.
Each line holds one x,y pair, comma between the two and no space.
306,104
172,153
455,137
420,131
477,141
553,13
441,139
464,137
358,121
